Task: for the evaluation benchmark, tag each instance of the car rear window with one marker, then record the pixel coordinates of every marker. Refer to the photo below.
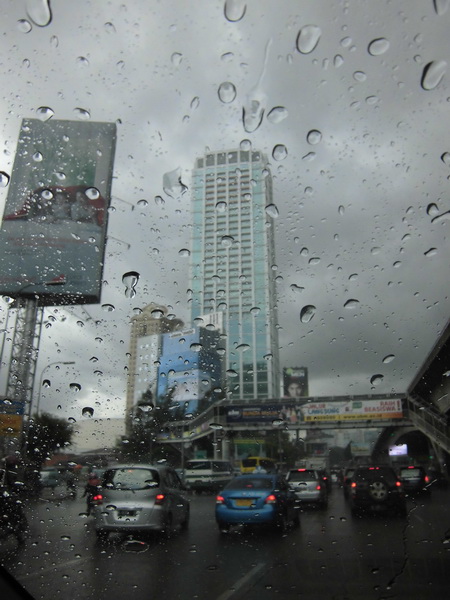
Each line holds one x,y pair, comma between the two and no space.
410,473
306,475
198,465
372,473
256,483
131,479
249,462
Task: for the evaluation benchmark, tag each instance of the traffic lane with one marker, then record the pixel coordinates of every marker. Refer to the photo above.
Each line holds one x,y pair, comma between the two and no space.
374,556
331,551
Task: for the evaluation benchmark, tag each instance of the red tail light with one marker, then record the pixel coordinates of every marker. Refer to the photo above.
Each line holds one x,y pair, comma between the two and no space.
353,484
159,498
220,500
427,479
398,483
97,499
318,487
271,499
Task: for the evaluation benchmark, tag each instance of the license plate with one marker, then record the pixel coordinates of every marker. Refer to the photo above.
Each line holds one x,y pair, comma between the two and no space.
244,502
126,513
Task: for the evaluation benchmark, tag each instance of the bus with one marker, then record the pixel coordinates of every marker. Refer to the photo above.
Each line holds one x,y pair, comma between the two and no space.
258,463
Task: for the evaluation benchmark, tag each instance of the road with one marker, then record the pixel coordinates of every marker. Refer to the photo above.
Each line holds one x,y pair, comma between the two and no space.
331,555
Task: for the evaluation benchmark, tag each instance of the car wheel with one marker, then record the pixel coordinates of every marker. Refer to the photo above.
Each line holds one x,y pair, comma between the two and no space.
378,491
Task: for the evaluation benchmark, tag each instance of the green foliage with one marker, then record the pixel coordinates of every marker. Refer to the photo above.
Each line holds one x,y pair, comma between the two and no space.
46,434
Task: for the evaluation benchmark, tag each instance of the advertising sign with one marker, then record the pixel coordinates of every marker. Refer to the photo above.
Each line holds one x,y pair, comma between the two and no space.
295,382
11,416
53,232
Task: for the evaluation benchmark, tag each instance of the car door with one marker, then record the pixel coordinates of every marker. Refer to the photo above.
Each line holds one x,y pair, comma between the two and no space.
177,498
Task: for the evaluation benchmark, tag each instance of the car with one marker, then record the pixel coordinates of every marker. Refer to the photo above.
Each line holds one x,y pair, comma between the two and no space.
50,477
140,498
308,486
376,489
414,479
257,499
207,475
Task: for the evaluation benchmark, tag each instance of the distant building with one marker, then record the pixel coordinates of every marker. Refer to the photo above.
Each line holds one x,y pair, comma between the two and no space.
232,266
147,329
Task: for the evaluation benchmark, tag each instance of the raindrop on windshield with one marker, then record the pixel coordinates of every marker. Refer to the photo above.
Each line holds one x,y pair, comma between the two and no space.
46,383
279,152
296,288
39,12
44,113
184,252
82,114
172,184
4,179
75,387
216,426
24,26
234,10
196,347
226,92
307,313
272,211
92,193
253,114
378,46
432,210
314,137
376,379
388,358
277,114
430,252
308,38
108,307
221,206
87,412
441,6
176,59
352,303
157,313
255,310
433,73
227,241
446,158
130,281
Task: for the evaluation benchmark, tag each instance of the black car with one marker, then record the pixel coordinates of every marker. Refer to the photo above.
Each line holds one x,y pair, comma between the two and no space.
347,480
414,479
376,489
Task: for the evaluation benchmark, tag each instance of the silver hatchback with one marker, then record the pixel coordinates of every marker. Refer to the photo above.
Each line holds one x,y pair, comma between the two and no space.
140,498
308,486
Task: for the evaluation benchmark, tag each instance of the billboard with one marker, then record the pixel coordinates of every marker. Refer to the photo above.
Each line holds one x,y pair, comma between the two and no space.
295,382
54,226
190,371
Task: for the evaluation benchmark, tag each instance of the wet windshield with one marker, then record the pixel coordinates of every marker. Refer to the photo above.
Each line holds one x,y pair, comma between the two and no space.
224,235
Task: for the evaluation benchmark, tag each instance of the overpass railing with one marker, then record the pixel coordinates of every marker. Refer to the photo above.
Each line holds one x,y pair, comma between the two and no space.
428,419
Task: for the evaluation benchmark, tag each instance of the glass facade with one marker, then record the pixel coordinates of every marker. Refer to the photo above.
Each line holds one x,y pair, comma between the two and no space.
231,271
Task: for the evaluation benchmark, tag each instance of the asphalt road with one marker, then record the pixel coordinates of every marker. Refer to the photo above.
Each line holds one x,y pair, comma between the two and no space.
331,556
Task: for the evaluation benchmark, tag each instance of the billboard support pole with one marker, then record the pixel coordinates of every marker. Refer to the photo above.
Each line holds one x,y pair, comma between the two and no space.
24,353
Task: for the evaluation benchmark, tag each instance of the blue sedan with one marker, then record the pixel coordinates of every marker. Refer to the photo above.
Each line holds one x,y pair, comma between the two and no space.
257,499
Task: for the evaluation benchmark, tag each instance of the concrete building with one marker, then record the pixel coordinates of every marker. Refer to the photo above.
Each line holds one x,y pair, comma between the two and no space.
232,266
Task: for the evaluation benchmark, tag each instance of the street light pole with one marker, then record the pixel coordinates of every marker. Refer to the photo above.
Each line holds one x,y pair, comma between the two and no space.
41,380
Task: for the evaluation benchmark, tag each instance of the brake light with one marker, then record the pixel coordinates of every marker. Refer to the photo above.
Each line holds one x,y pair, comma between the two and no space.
159,499
318,487
220,500
301,470
427,479
353,484
411,467
398,483
271,499
97,499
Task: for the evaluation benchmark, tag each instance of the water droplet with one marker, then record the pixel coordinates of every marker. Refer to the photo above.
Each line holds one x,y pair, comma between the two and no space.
307,313
130,281
184,252
255,310
232,373
430,252
227,241
338,61
279,152
4,179
176,59
196,347
39,12
44,113
272,211
221,206
433,73
216,426
24,26
309,157
352,303
376,379
253,113
234,10
108,307
226,92
277,422
82,114
268,356
82,61
441,6
307,39
72,420
92,193
378,47
432,210
242,347
314,137
446,158
359,76
277,114
75,387
87,412
37,157
296,288
341,210
46,383
388,358
172,184
142,202
135,546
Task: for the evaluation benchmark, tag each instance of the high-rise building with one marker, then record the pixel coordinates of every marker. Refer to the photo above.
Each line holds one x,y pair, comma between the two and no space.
232,268
147,329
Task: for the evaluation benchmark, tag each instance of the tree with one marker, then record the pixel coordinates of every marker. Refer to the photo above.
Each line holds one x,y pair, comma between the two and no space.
45,435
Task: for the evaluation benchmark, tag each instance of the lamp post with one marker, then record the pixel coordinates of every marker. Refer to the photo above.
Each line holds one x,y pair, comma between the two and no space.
41,379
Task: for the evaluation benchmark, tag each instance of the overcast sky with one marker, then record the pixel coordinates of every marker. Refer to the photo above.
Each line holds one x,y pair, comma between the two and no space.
355,221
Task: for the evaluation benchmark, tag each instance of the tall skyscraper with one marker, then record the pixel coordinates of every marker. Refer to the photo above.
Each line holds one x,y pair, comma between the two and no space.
232,268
